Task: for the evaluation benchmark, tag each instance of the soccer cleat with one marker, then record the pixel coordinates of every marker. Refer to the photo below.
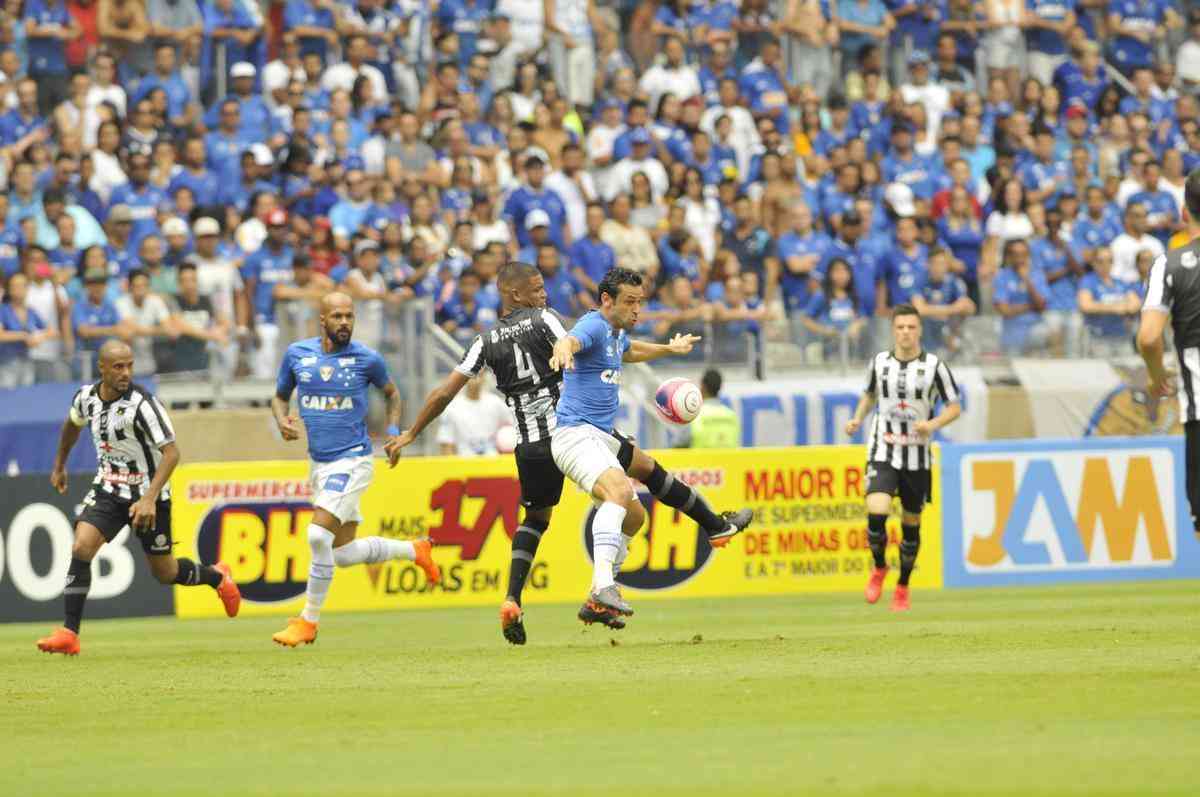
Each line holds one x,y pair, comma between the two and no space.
227,590
610,598
734,522
594,613
875,584
62,640
298,630
512,622
424,560
900,602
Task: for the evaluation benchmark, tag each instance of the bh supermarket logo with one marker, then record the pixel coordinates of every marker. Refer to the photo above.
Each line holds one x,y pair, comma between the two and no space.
265,545
668,552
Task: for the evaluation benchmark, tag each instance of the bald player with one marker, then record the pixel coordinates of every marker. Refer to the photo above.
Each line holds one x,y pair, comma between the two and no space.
331,374
136,452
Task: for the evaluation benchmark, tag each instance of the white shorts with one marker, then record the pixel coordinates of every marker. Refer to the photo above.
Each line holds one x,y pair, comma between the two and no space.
338,486
584,452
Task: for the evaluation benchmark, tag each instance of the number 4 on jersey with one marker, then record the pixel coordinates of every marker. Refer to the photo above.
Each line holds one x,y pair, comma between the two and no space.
525,369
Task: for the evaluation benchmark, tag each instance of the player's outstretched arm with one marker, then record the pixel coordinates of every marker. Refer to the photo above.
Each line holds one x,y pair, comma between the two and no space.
640,351
565,349
395,407
435,404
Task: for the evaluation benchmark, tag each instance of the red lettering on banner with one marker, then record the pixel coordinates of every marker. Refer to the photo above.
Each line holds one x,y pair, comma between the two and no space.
789,484
852,482
501,497
250,491
807,541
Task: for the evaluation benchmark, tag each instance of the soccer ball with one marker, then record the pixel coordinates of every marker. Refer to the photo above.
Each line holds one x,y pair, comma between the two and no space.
506,439
678,401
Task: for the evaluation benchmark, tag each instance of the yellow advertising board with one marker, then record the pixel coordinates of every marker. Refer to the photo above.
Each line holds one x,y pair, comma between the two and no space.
808,535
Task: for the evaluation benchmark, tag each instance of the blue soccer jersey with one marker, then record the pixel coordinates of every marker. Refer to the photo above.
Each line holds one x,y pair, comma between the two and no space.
333,395
591,391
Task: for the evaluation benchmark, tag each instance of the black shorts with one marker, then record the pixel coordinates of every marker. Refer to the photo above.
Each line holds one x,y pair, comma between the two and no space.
915,487
111,514
542,481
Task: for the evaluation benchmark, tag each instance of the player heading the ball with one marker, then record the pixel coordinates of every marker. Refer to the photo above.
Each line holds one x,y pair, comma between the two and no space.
331,373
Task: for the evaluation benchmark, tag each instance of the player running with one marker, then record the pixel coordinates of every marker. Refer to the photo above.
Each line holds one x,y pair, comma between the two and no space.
587,450
905,382
136,450
331,373
518,351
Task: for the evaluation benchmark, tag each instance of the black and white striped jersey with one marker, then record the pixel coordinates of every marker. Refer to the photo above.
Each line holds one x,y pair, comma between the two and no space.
129,433
518,351
1174,287
905,391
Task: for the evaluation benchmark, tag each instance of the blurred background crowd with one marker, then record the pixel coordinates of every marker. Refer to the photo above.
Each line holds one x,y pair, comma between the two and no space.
190,176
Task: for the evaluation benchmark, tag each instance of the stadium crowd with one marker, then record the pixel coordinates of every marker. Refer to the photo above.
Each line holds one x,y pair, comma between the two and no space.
191,176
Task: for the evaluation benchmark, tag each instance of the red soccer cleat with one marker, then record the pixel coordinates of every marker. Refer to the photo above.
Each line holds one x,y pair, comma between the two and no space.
62,640
875,584
228,591
424,560
900,602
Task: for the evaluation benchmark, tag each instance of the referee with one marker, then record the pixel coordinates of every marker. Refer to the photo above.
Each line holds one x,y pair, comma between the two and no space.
1173,290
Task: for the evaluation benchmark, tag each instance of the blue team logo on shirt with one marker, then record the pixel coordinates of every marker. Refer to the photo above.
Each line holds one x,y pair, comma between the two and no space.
337,482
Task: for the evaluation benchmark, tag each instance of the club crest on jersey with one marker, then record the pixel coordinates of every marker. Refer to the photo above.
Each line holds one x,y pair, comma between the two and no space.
330,403
326,372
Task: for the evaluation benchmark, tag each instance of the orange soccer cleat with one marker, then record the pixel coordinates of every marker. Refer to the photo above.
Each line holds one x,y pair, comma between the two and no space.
875,584
512,622
62,640
228,591
298,630
424,560
900,602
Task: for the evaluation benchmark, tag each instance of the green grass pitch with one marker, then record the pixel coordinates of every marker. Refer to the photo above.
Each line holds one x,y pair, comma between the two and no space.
1068,691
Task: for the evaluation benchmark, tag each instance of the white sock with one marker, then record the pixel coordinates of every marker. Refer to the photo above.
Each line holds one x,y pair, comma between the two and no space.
320,573
622,553
606,543
372,550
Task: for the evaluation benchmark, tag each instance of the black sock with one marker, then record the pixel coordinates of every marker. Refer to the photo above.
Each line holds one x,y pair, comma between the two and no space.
191,574
908,551
678,495
877,538
524,548
79,581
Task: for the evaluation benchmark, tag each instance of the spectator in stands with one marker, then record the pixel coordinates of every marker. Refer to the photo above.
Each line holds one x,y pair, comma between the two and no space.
632,245
1162,211
51,357
21,330
470,423
370,291
461,315
1107,305
195,326
1020,299
1008,221
265,268
1135,28
832,312
1051,251
754,248
902,269
95,319
146,318
1133,239
590,256
942,299
218,279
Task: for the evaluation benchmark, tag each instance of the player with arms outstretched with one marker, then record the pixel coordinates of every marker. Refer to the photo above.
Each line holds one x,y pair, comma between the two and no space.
331,373
518,351
906,383
587,449
136,451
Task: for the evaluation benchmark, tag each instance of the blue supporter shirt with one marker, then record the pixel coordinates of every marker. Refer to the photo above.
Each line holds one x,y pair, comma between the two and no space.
903,273
524,200
205,186
796,287
836,313
593,258
174,86
465,18
332,396
1087,233
14,126
10,323
143,204
591,390
562,294
303,14
1009,289
1145,15
1160,209
11,242
47,55
765,91
1039,176
93,315
267,268
224,153
1110,292
1047,257
1073,84
1045,41
914,171
348,217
